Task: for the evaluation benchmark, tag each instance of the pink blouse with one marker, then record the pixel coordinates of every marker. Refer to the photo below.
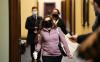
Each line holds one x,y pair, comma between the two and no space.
48,42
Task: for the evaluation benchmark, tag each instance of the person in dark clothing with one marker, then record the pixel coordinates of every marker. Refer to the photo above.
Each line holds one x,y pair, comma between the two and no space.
58,21
96,4
33,24
90,48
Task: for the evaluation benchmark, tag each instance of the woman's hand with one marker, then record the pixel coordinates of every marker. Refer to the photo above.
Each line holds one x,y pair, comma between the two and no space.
35,54
73,38
69,56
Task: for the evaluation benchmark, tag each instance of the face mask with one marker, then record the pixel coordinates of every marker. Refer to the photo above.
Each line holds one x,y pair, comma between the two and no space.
47,24
55,15
34,12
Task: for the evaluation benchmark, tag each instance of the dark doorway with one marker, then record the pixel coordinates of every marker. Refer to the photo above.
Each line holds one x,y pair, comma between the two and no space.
48,7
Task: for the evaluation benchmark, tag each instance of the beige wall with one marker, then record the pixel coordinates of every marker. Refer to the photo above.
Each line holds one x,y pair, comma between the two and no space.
78,16
91,14
4,31
79,28
26,6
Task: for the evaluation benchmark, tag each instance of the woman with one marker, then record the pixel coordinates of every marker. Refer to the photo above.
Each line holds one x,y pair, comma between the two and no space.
58,21
48,41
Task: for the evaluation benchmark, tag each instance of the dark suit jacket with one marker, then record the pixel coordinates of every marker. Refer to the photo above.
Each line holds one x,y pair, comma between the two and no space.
62,26
31,22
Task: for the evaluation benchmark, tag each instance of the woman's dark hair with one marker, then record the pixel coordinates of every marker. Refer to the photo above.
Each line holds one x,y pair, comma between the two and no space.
57,10
98,2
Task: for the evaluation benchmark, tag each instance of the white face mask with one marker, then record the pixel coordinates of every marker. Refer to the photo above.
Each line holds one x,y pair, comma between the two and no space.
34,12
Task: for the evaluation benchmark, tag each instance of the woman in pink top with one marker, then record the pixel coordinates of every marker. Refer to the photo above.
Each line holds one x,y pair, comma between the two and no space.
48,41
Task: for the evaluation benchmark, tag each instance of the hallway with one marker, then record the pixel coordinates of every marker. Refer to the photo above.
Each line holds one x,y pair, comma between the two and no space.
26,57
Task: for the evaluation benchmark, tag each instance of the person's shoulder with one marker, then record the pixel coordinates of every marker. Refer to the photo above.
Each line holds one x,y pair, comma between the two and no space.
40,17
60,20
29,17
58,28
41,32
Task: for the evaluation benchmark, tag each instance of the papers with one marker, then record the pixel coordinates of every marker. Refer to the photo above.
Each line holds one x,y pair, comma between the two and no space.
72,45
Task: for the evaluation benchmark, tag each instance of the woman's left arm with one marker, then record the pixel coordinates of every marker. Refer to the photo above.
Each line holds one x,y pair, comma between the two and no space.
63,40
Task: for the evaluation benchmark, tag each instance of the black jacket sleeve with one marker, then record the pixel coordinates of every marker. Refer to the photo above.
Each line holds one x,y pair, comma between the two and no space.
83,37
62,26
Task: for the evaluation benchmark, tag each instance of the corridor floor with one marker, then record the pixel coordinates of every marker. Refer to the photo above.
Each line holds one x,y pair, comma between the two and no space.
26,57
